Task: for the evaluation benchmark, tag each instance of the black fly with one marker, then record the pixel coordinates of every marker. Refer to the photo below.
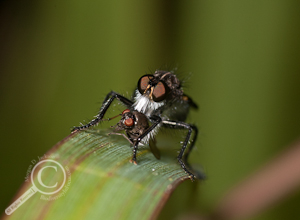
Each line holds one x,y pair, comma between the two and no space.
160,98
135,124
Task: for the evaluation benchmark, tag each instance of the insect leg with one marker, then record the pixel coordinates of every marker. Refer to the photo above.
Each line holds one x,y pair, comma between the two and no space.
105,105
184,152
114,133
156,120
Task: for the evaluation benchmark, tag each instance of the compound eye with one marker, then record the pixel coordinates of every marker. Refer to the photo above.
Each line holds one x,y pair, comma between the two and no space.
159,92
125,111
128,122
144,82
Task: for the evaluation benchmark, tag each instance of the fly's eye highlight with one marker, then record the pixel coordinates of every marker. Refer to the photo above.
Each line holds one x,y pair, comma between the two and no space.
143,83
129,122
159,92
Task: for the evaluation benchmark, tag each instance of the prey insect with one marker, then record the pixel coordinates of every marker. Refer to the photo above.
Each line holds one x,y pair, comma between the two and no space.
160,98
135,125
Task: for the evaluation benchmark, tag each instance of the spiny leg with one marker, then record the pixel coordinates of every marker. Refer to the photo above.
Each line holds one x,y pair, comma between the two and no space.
184,152
192,144
156,120
105,105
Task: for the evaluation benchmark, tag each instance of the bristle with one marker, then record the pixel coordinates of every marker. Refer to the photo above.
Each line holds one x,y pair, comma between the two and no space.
144,105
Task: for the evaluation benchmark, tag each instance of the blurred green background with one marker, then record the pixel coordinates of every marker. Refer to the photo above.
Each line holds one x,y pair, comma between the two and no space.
58,59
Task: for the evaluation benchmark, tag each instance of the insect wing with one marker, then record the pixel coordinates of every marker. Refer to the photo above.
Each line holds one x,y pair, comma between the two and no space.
154,149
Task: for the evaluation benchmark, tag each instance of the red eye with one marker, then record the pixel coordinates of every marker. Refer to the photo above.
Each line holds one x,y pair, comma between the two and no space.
144,82
159,92
125,111
128,122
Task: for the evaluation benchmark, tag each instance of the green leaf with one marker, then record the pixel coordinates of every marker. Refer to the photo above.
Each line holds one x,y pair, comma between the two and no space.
100,181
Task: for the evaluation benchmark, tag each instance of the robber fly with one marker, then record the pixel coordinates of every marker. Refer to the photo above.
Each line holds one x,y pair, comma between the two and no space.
161,99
